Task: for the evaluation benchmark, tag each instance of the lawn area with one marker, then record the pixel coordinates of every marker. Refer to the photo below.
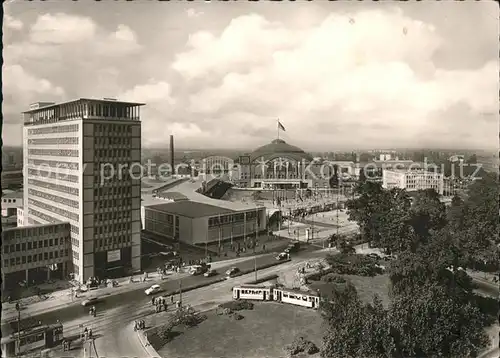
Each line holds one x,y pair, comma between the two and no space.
366,287
263,332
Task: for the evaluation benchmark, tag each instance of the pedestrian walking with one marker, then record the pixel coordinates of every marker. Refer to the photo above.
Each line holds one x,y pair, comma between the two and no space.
172,299
165,306
153,301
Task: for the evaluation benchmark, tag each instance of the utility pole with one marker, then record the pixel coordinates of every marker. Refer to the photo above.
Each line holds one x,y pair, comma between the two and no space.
220,232
18,309
180,291
255,266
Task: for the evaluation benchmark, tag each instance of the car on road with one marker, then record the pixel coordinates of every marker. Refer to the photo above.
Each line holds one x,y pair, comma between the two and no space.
210,273
196,270
293,247
282,256
233,272
91,301
152,290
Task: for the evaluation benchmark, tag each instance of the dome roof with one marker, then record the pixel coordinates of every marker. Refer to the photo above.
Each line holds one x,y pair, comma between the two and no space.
279,148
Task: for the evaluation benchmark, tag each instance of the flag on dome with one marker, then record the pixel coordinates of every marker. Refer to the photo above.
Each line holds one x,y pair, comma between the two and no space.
280,126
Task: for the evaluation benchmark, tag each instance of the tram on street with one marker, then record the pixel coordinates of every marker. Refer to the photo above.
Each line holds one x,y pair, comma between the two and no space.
252,292
295,297
30,339
277,294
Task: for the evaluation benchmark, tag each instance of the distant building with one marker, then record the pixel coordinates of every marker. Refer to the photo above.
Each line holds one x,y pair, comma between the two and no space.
279,165
413,180
12,178
11,202
35,253
456,158
199,223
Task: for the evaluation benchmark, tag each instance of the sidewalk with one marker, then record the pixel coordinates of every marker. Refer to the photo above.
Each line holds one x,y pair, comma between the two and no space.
60,299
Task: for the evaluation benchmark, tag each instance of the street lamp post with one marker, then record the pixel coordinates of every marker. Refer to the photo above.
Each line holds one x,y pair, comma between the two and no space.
18,309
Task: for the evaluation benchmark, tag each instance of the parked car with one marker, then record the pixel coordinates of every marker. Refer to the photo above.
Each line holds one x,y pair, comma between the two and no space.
152,290
91,301
232,272
374,256
210,273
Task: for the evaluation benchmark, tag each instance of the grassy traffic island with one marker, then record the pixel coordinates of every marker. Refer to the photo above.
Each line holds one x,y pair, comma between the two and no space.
241,329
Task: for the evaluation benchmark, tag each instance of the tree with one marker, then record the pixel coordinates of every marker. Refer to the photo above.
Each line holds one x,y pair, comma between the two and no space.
429,322
428,214
334,180
355,329
362,176
472,159
383,216
344,319
376,338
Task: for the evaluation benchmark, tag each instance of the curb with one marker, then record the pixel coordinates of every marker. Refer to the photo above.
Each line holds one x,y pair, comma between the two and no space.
263,279
146,345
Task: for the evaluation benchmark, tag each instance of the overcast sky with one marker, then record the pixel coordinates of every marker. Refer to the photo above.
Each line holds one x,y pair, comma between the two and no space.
218,75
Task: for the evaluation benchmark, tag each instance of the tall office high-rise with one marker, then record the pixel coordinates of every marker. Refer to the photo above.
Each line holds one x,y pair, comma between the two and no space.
77,158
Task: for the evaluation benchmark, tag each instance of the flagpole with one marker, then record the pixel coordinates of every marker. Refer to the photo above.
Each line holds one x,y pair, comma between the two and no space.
278,127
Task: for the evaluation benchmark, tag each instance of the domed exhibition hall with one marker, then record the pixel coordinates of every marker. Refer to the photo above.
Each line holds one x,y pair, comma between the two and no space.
279,165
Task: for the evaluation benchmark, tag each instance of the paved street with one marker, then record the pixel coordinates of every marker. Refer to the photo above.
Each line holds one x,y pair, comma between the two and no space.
116,313
65,305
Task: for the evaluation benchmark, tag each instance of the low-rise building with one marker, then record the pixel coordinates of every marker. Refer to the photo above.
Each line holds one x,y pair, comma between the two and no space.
413,180
10,202
35,253
199,223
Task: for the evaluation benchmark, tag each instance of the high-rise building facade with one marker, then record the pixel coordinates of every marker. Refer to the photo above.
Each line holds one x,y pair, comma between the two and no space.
78,160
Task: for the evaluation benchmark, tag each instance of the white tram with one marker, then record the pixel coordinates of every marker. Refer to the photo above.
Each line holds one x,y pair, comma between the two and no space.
252,292
295,297
277,294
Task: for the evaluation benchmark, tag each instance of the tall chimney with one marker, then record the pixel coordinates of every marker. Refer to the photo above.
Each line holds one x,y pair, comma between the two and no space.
172,154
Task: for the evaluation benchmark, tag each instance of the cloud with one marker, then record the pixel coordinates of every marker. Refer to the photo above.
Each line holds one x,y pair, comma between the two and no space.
62,28
20,86
12,23
248,40
150,93
368,71
61,36
192,13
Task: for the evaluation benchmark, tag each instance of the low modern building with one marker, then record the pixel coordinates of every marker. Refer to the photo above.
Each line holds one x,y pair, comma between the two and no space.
199,223
10,202
35,253
413,180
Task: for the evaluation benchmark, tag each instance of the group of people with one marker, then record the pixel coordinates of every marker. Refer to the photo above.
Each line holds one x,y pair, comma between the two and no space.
140,324
92,311
160,303
87,333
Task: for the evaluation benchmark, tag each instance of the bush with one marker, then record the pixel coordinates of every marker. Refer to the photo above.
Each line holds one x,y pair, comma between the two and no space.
334,278
300,345
237,305
353,265
237,316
